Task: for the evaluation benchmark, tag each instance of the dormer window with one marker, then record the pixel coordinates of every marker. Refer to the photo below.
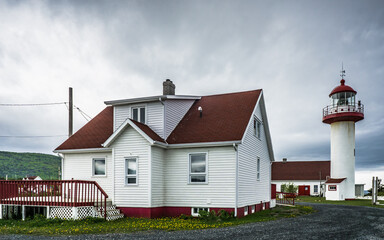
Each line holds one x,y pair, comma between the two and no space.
138,114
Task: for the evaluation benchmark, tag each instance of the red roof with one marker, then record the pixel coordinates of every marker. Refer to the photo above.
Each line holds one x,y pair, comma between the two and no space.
93,134
342,88
301,170
224,118
335,180
147,130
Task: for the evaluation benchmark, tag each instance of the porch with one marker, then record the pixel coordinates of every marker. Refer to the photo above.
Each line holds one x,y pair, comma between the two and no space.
68,199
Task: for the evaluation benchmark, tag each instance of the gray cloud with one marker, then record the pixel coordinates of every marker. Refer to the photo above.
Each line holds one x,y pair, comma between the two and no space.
120,49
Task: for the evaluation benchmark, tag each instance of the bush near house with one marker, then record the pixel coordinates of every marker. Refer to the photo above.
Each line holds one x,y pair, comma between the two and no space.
289,188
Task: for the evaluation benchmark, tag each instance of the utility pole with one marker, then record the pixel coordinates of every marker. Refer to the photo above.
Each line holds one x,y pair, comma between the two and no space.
70,110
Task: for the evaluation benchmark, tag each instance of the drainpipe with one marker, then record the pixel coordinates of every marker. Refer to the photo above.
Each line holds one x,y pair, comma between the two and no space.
236,147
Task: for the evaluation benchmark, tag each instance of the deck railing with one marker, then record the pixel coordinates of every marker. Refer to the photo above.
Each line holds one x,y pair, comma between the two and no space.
285,198
354,108
69,193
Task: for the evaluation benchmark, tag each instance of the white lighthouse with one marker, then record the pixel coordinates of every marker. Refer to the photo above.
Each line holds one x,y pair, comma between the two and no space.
342,114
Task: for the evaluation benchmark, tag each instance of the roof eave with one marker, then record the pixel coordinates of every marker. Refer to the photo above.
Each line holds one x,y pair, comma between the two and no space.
83,150
117,133
150,99
198,144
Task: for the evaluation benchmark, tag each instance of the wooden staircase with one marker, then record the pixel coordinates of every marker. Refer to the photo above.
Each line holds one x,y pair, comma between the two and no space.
112,212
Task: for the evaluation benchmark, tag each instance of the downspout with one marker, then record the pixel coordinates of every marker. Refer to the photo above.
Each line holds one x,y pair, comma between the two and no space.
236,147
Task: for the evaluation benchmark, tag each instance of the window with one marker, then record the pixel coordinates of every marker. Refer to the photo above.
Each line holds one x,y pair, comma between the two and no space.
131,171
316,188
256,127
195,211
98,165
138,114
198,168
245,211
258,169
332,188
253,209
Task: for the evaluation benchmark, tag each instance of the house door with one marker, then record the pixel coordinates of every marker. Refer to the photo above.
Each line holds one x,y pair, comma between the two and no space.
304,190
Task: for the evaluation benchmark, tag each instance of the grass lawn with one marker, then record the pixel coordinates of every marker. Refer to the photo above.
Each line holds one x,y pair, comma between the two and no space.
357,202
42,226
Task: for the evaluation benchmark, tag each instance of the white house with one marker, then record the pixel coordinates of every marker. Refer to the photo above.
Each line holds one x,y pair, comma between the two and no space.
30,178
173,154
309,176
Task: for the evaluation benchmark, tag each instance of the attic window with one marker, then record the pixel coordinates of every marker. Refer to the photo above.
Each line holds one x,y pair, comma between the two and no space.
256,127
138,114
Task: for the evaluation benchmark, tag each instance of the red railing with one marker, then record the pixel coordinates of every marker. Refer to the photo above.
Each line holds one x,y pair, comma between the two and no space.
357,108
285,198
69,193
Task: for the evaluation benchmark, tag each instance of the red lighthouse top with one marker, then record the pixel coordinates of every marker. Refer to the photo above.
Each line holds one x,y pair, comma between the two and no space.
343,105
342,88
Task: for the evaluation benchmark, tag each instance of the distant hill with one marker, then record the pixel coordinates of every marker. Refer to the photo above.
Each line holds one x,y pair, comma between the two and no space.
18,165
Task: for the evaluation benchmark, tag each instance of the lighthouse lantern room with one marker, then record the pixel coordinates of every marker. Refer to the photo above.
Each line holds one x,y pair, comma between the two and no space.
342,114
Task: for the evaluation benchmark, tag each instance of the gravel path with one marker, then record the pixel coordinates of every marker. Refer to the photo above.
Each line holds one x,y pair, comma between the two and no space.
330,222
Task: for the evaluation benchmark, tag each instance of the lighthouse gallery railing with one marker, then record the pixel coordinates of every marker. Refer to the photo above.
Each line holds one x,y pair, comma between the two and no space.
357,108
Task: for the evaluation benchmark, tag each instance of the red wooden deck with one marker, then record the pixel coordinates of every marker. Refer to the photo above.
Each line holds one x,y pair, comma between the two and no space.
74,193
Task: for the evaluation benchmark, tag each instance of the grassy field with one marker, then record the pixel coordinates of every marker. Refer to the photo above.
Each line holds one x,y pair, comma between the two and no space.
357,202
42,226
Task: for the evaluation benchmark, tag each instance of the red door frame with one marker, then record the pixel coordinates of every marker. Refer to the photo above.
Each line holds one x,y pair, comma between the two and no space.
304,190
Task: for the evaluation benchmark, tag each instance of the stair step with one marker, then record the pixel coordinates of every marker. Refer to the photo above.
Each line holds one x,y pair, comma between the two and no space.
115,217
113,207
101,204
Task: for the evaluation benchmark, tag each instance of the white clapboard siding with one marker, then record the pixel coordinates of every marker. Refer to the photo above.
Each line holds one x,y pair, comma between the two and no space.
220,190
79,167
120,114
131,144
154,115
252,191
174,112
157,179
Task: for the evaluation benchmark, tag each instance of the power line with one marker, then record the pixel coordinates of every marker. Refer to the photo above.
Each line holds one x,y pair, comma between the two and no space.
33,136
85,116
29,104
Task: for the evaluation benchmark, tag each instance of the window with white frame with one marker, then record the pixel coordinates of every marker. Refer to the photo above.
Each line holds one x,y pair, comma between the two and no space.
198,168
98,166
258,169
256,127
253,208
195,211
315,188
131,171
138,114
245,211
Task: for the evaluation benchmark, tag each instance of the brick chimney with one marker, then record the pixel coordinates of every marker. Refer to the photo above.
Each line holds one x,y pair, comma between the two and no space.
168,87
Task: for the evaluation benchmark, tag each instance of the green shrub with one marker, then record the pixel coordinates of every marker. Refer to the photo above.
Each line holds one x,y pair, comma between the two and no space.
289,188
225,215
208,216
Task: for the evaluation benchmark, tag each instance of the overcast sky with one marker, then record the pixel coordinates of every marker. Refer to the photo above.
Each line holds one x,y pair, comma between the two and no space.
108,50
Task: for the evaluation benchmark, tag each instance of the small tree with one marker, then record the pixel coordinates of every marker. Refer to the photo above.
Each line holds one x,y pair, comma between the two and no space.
289,188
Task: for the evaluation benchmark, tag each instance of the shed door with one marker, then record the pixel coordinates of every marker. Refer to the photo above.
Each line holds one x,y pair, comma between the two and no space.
304,190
